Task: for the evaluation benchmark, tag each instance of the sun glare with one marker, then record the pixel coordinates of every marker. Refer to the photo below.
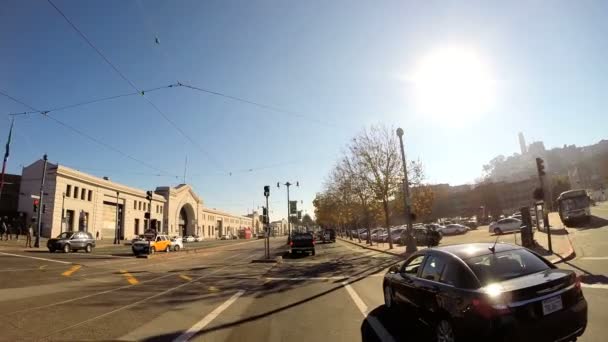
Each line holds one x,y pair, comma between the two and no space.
453,85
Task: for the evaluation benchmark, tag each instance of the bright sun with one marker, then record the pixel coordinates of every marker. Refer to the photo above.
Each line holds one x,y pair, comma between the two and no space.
453,85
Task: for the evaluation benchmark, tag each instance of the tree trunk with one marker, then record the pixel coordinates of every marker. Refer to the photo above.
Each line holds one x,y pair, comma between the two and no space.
388,226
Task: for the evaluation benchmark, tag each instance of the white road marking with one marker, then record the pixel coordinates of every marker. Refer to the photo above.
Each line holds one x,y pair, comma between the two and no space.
36,258
208,319
593,258
373,321
309,278
595,286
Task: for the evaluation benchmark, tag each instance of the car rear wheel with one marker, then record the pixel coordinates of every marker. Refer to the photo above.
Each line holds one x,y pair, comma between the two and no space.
176,248
313,252
497,231
88,248
388,298
52,250
444,331
152,250
168,249
66,248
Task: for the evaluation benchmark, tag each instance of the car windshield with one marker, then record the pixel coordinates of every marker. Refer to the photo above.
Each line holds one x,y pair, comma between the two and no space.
497,267
575,203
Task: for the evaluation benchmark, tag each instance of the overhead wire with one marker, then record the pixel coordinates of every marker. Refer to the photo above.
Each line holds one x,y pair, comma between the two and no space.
45,114
156,108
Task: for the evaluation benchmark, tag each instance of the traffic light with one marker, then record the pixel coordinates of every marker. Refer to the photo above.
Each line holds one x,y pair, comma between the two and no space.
36,202
147,215
264,211
266,190
540,166
149,195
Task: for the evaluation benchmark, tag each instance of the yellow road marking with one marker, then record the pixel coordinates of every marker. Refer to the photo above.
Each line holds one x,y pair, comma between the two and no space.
185,277
72,269
42,267
130,278
213,289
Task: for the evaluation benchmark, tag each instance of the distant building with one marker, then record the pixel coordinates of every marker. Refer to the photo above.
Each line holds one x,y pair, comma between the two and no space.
279,227
522,143
93,204
537,149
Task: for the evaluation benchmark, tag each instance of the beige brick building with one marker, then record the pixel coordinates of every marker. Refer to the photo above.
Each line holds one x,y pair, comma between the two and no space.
98,205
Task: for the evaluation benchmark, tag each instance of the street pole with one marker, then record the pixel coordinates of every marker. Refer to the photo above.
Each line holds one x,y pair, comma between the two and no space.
410,245
150,214
268,229
116,238
40,205
62,212
287,184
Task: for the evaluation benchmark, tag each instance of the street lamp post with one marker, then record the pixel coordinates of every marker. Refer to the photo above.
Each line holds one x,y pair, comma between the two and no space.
287,184
62,212
41,205
116,238
410,245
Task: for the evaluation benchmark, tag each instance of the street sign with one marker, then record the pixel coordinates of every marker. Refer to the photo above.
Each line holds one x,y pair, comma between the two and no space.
36,196
293,207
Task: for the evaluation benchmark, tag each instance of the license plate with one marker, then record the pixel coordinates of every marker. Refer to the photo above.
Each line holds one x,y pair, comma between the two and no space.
552,304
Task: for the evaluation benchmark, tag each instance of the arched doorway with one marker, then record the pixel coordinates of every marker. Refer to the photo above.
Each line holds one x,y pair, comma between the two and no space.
186,220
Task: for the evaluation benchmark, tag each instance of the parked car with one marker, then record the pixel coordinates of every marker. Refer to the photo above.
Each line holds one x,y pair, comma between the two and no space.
198,238
71,241
505,225
482,291
425,236
471,224
156,244
302,243
134,239
454,228
189,238
396,234
177,243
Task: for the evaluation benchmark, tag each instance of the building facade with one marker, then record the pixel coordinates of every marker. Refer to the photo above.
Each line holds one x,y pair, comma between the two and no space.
74,200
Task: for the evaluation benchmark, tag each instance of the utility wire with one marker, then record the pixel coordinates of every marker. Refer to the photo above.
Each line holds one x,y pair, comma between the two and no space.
102,99
83,134
171,122
258,104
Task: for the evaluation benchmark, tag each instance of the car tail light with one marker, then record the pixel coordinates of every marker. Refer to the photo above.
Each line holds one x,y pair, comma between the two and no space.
490,310
313,242
290,243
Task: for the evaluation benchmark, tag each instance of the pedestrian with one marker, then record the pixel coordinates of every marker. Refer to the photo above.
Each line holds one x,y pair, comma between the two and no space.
4,229
17,226
97,235
28,238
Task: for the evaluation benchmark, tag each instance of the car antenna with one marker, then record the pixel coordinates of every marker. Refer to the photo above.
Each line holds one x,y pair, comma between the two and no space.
493,248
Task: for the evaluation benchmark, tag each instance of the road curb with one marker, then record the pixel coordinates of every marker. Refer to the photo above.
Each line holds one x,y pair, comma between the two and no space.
569,254
370,248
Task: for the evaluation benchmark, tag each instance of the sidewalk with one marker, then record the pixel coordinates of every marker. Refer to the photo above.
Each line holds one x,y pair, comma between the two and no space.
560,243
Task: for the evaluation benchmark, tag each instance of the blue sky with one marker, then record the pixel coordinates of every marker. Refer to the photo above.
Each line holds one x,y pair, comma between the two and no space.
339,66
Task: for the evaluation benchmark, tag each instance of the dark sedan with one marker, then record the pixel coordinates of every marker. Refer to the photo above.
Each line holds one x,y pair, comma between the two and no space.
482,292
72,241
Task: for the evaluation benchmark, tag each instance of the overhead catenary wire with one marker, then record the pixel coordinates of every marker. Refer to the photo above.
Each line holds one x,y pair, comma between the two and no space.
156,108
83,134
102,99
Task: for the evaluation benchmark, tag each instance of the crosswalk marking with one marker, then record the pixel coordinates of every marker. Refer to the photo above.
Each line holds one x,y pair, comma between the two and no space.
130,278
71,271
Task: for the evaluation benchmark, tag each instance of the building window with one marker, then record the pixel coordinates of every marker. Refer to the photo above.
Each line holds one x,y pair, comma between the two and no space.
68,190
139,205
145,206
135,205
75,192
83,193
90,195
161,209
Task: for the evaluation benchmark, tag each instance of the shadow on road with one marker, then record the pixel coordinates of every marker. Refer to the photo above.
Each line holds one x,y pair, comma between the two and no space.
399,323
594,223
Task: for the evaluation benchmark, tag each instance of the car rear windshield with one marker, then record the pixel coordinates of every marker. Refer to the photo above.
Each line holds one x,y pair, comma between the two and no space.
302,237
497,267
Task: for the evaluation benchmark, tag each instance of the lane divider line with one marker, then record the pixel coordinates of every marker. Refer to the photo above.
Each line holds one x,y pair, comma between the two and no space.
36,258
373,321
308,278
198,326
130,278
595,286
185,277
71,271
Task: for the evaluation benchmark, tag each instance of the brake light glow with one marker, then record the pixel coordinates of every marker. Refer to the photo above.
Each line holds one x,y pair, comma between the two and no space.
488,310
290,243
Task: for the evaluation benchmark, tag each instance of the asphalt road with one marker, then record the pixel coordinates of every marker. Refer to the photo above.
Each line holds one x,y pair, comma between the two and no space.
218,295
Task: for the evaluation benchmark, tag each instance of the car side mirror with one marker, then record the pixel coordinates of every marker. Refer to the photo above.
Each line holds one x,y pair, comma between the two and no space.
393,269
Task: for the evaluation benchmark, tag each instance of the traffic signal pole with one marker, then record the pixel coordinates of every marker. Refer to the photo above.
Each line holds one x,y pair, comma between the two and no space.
540,167
37,242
